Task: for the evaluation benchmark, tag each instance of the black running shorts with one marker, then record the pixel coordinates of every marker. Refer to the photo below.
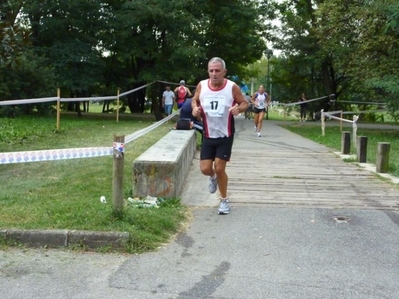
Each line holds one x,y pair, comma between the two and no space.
212,148
257,110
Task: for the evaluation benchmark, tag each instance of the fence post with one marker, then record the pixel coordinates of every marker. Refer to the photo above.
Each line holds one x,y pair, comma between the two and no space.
117,183
323,124
117,106
340,121
346,143
382,161
58,109
362,149
354,126
285,108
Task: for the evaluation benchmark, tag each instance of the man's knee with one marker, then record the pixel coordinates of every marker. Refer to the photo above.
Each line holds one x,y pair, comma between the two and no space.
206,167
220,167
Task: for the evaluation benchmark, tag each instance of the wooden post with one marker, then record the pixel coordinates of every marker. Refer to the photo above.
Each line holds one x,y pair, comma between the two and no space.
346,143
58,109
382,160
354,127
323,124
340,122
117,184
362,149
285,107
117,107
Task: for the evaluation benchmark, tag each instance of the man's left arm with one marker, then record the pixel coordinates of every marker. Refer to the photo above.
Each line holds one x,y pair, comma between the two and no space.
241,104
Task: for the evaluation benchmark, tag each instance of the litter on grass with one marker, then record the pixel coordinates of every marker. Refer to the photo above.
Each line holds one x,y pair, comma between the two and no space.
148,202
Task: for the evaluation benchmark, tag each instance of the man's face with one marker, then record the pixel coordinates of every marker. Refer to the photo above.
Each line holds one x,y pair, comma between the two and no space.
167,88
216,72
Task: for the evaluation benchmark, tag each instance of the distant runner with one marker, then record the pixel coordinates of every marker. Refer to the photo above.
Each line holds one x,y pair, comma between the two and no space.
260,100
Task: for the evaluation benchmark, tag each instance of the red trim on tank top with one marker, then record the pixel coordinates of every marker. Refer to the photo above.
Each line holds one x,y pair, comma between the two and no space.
217,89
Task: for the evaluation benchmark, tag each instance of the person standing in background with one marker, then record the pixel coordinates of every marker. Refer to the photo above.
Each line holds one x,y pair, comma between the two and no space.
168,98
303,105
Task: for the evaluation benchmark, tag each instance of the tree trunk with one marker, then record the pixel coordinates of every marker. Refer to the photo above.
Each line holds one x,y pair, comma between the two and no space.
156,101
136,100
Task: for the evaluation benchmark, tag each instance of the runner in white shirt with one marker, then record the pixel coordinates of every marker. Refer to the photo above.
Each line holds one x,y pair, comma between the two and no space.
260,100
217,100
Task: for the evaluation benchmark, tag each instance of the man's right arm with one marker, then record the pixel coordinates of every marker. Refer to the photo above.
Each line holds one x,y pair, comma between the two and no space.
195,103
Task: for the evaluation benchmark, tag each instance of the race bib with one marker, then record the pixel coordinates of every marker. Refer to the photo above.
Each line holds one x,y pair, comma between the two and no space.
214,106
261,104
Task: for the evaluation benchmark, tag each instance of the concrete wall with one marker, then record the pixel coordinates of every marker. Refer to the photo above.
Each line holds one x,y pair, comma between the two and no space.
162,169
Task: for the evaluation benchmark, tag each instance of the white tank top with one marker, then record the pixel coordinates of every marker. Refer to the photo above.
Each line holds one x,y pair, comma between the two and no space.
260,101
215,103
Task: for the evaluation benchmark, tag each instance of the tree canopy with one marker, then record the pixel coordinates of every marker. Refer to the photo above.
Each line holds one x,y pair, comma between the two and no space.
96,47
347,48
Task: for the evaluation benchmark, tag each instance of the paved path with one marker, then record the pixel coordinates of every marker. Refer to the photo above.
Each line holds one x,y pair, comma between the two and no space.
303,225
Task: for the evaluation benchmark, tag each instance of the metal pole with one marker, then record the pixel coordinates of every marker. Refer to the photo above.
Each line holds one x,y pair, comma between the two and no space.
269,54
58,109
268,83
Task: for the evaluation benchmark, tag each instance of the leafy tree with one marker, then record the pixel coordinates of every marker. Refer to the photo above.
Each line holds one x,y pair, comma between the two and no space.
304,65
96,47
362,36
22,73
172,41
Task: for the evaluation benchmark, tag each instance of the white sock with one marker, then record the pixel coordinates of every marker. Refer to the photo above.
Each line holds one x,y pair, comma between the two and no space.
214,176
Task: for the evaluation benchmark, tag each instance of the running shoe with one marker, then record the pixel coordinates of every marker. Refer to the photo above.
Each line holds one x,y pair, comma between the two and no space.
213,185
255,128
224,207
259,134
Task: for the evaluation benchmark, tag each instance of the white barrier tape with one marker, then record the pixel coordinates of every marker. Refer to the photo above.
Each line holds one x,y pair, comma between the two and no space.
308,101
76,153
364,111
144,131
85,99
27,101
54,154
337,118
53,99
133,90
107,98
355,112
167,82
334,112
360,103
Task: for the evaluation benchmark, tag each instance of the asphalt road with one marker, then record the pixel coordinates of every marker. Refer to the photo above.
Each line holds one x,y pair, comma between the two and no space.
257,251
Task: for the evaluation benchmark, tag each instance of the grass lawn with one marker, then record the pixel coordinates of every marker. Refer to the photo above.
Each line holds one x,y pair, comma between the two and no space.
332,139
66,194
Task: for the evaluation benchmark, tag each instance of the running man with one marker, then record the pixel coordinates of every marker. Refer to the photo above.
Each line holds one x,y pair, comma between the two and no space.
217,100
260,100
